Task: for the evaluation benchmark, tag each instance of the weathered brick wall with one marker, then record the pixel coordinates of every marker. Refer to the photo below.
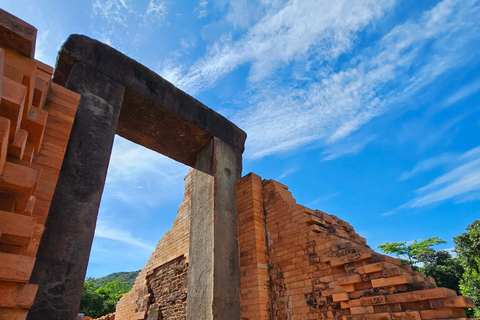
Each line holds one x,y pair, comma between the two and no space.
171,247
253,248
36,117
296,263
110,316
168,286
319,268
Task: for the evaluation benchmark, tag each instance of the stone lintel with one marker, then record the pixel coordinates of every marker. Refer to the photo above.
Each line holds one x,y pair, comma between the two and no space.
154,112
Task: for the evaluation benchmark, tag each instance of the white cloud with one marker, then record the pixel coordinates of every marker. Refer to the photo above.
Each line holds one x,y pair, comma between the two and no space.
157,10
188,43
428,164
328,103
141,177
321,199
131,162
105,231
462,183
202,9
50,38
113,10
128,22
244,13
284,35
287,173
172,69
462,93
348,148
341,102
122,11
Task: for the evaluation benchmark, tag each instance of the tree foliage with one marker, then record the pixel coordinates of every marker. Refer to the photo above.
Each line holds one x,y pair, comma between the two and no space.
445,269
128,277
467,247
440,265
98,301
417,252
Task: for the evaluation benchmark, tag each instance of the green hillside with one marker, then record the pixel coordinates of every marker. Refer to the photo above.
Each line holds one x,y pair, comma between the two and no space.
128,277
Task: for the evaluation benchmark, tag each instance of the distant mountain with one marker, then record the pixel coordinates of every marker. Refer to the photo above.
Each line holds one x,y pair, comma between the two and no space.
128,277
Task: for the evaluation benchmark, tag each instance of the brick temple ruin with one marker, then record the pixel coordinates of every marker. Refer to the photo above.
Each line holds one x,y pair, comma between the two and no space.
240,248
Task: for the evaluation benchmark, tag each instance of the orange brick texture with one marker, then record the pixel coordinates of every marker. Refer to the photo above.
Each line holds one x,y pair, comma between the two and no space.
36,117
295,263
168,262
298,263
110,316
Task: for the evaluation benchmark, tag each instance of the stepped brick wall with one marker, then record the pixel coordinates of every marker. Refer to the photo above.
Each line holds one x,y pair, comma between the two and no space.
296,263
161,287
319,268
36,117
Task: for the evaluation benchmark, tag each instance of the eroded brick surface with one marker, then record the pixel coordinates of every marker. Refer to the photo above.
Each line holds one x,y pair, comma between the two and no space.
319,268
298,263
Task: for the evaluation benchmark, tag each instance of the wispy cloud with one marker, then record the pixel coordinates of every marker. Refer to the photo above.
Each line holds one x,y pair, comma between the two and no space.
171,68
347,148
287,173
122,11
462,93
157,10
327,103
321,199
105,231
428,164
113,10
131,162
282,36
142,177
462,183
202,9
127,21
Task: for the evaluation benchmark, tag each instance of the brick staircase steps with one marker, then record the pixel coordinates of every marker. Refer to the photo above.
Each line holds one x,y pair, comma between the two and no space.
320,268
31,154
15,267
15,295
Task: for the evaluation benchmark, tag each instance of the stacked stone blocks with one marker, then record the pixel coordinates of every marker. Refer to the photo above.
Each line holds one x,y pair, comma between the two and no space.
36,116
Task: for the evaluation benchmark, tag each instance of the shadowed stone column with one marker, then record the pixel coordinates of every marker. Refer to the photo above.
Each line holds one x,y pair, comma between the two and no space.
214,270
64,250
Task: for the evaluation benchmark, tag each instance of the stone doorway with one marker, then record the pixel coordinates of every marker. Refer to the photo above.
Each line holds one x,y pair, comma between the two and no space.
121,96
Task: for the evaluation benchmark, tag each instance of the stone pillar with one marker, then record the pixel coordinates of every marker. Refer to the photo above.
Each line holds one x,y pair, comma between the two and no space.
64,250
214,269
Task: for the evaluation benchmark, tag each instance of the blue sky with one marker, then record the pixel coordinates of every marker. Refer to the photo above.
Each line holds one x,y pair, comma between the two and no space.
366,109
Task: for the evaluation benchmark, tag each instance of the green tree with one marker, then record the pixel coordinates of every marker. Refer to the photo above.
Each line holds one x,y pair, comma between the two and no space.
91,303
445,269
111,293
128,277
440,265
99,301
467,247
417,252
